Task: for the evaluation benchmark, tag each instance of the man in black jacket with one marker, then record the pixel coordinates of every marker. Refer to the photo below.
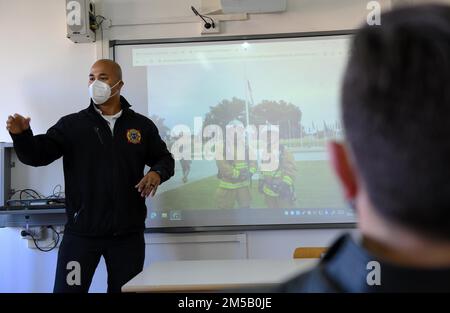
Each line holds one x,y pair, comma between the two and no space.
105,149
395,165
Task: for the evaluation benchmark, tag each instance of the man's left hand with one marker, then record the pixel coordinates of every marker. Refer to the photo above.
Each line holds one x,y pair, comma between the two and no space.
149,184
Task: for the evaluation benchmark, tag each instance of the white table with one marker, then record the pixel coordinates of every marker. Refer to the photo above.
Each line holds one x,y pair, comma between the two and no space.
213,275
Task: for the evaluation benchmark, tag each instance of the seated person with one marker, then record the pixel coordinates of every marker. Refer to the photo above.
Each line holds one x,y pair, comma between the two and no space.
394,167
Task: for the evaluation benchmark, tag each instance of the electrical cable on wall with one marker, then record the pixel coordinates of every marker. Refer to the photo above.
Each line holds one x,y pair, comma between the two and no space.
25,233
29,193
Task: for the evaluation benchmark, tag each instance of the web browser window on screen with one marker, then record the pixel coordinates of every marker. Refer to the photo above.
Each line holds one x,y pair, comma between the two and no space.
248,122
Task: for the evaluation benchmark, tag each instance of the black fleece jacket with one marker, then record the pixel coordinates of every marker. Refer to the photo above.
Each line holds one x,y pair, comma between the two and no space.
100,168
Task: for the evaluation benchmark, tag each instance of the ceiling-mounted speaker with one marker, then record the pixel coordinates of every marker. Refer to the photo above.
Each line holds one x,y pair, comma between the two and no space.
80,18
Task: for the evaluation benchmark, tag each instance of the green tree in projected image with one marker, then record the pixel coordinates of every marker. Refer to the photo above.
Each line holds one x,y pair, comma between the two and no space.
286,115
164,131
226,111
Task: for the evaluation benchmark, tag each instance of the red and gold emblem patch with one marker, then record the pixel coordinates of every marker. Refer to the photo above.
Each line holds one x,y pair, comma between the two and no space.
134,136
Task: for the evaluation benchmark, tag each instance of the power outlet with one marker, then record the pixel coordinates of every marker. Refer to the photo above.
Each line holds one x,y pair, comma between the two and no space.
37,233
211,30
46,240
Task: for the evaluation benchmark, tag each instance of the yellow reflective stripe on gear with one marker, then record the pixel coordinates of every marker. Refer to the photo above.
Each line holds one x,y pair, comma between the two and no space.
253,170
240,165
269,192
288,180
236,172
228,185
272,174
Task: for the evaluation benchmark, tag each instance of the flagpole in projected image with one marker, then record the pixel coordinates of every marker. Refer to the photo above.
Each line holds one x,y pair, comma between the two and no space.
250,97
248,93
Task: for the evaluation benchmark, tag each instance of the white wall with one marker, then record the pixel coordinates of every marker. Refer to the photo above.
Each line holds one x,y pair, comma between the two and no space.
301,15
42,71
44,75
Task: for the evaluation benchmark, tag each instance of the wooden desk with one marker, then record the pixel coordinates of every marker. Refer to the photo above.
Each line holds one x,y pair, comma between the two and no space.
214,275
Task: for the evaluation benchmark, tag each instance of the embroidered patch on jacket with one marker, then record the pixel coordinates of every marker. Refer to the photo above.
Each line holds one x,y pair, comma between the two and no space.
134,136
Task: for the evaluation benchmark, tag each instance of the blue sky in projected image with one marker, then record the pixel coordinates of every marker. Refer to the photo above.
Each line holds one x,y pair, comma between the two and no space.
180,92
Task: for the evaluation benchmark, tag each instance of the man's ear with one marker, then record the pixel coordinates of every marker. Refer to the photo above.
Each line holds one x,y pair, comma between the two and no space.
343,168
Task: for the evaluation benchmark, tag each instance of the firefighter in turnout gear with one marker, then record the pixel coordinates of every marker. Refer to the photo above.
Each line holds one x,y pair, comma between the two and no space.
235,178
278,185
234,183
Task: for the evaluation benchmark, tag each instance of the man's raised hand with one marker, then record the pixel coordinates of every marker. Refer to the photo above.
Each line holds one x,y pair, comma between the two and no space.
17,124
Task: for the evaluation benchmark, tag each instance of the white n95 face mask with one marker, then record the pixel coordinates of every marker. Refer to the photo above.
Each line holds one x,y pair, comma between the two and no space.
100,91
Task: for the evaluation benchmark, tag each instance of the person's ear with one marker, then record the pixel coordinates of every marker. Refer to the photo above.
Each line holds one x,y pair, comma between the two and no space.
117,87
343,168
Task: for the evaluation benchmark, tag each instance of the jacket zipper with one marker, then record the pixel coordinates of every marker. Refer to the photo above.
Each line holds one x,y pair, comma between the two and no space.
114,145
97,131
75,216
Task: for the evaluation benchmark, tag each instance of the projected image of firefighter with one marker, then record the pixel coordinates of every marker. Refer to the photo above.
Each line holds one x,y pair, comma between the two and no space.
277,185
235,171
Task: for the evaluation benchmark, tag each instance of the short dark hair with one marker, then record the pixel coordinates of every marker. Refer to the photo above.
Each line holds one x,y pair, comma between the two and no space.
396,115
